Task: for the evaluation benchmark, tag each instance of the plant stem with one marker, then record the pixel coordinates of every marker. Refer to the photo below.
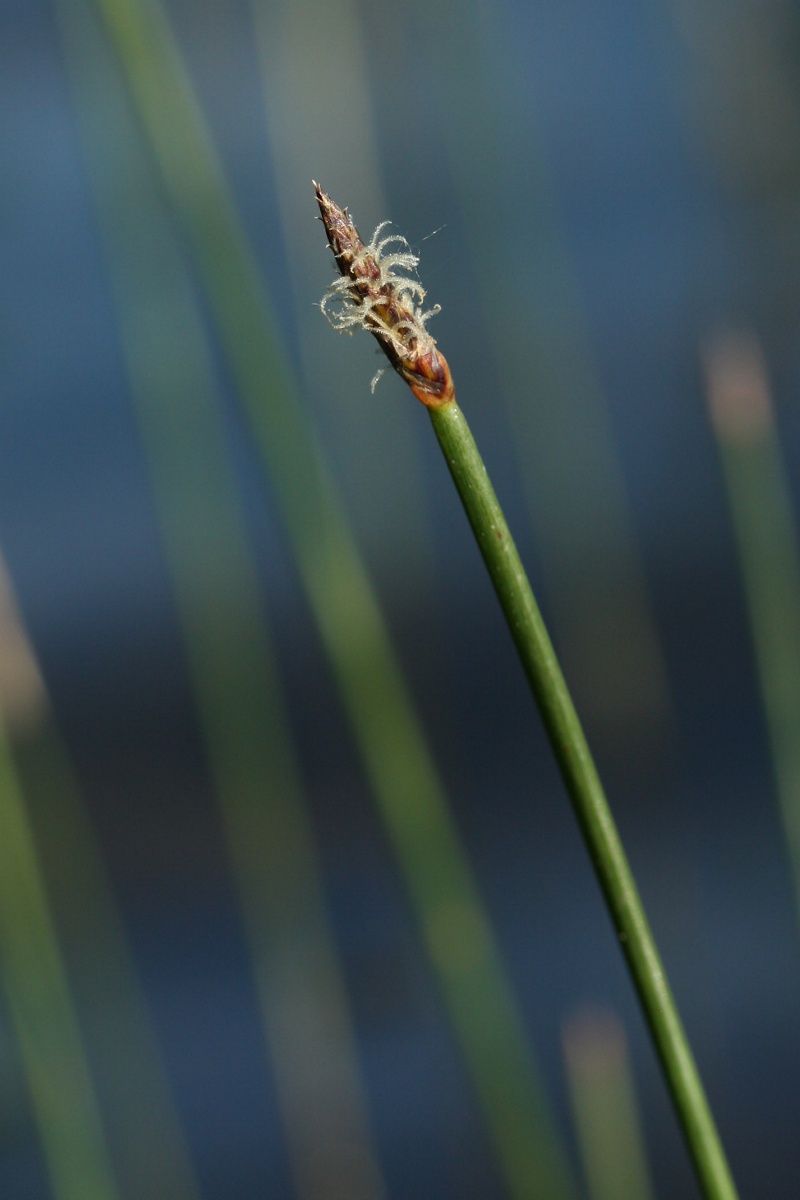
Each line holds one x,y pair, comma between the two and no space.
255,770
586,792
763,522
604,1105
42,1010
397,759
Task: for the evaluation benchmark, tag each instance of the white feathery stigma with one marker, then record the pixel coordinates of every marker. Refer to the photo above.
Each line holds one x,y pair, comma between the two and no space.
360,299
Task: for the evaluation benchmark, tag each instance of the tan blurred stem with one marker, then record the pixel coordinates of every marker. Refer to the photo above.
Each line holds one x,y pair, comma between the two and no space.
23,700
43,1011
396,756
604,1105
767,541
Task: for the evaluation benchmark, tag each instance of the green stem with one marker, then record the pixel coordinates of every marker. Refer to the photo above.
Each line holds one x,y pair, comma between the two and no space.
604,1105
763,521
41,1004
586,792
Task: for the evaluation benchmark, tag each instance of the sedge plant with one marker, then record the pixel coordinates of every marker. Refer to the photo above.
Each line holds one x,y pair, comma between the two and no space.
378,291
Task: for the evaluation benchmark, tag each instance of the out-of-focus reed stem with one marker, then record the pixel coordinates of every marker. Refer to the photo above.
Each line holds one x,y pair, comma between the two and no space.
396,756
537,342
144,1133
586,792
263,807
766,535
139,1120
604,1104
43,1012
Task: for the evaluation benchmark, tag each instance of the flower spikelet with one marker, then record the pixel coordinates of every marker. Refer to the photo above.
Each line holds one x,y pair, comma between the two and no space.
377,292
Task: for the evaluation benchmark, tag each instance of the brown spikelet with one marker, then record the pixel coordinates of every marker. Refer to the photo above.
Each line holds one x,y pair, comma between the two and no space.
377,293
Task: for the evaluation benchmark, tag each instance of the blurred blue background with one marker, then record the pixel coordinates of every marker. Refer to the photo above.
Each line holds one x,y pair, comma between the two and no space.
596,190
